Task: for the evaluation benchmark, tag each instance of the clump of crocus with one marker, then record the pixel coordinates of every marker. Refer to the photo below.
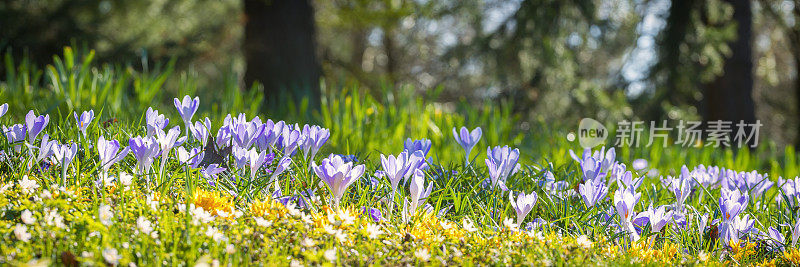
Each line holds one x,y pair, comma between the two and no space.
337,175
246,133
731,204
467,139
523,204
269,137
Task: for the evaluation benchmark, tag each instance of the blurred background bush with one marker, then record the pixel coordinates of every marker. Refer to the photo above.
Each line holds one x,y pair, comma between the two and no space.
520,67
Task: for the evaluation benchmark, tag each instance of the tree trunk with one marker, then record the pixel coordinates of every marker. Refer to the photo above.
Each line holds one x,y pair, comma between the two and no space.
730,96
280,50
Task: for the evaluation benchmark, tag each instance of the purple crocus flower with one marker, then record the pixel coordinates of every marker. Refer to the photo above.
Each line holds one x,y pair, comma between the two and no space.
200,130
224,137
245,134
168,140
625,200
523,204
35,124
282,166
419,193
731,204
625,179
3,109
467,139
63,154
186,108
374,213
776,238
292,138
597,164
400,167
592,192
257,160
84,120
605,158
191,157
108,153
681,187
657,218
145,150
315,137
639,164
155,121
337,175
423,145
46,148
240,156
268,138
210,173
502,163
592,170
15,135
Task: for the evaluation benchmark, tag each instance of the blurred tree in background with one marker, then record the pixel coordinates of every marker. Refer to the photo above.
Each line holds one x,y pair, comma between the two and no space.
553,61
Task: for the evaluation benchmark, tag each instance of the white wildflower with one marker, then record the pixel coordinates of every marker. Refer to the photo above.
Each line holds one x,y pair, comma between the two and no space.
27,186
214,234
509,223
468,225
21,232
5,187
201,216
308,242
584,241
262,222
51,217
46,194
125,179
144,225
106,215
330,254
27,217
422,254
373,231
111,255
